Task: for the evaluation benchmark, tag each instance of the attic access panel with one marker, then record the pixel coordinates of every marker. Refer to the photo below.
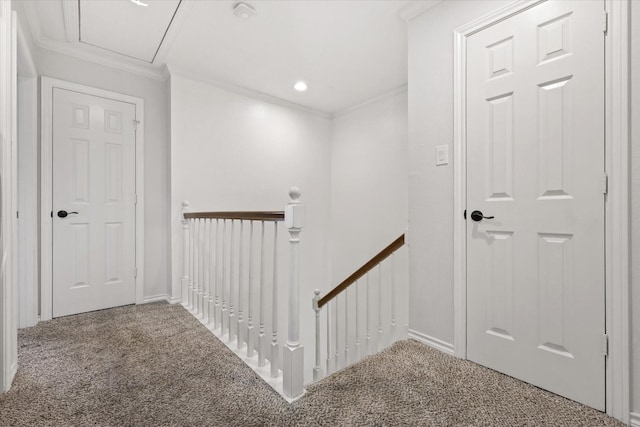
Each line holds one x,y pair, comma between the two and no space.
126,28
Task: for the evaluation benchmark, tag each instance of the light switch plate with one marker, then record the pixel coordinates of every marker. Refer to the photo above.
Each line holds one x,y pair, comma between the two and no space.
442,155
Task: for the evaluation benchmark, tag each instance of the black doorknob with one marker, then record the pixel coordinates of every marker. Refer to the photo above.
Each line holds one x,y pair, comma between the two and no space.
64,214
478,216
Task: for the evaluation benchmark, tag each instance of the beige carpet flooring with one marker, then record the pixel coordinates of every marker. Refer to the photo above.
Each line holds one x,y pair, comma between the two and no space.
155,365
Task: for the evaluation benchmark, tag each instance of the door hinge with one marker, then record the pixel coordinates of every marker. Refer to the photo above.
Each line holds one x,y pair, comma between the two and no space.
135,272
605,344
135,124
135,199
605,183
605,22
18,214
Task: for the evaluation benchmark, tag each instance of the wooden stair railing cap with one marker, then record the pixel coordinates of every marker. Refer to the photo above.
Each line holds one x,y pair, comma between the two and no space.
255,215
381,256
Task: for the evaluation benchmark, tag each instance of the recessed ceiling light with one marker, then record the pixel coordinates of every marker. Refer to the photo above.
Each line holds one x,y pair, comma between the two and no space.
139,3
300,86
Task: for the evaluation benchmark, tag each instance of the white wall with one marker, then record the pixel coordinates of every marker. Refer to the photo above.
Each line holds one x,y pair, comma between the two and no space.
431,187
156,151
635,207
369,191
231,152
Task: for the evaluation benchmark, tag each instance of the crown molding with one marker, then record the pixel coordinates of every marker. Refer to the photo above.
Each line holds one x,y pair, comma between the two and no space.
33,21
416,8
87,52
244,91
24,56
386,95
100,56
71,15
175,27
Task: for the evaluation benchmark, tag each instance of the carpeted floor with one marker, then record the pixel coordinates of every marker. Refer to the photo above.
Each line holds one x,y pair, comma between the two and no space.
155,365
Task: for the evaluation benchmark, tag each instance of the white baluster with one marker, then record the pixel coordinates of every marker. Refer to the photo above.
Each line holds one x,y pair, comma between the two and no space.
224,324
379,342
201,266
192,262
346,327
212,271
192,255
205,266
250,332
241,327
232,285
357,347
201,256
293,353
394,332
261,335
196,264
317,370
217,317
329,361
185,255
336,337
274,306
368,324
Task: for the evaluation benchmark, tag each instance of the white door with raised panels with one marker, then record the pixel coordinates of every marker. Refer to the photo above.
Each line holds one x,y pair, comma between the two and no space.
93,203
535,171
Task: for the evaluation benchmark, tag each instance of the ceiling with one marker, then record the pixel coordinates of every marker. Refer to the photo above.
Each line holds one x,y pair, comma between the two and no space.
125,28
346,51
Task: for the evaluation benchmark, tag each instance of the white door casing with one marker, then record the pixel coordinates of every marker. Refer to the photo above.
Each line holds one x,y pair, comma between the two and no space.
93,180
48,85
535,161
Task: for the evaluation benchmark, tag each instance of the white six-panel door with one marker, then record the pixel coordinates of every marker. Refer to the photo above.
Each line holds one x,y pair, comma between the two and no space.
535,162
93,175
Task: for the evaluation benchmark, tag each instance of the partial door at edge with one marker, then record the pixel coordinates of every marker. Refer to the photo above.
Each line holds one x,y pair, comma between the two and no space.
93,203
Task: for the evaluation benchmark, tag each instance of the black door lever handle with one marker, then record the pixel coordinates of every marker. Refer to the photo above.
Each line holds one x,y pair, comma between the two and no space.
479,216
64,214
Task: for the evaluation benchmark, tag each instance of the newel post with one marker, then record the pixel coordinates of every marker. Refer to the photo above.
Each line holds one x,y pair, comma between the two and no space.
185,254
293,352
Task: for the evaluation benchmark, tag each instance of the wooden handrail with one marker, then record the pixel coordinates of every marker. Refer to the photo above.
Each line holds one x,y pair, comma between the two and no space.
257,215
382,255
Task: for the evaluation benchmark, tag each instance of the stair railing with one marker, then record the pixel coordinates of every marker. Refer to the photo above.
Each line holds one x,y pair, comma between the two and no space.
219,264
343,346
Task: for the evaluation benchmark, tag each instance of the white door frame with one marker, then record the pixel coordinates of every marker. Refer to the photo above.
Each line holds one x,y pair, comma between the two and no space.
8,136
617,201
27,258
46,156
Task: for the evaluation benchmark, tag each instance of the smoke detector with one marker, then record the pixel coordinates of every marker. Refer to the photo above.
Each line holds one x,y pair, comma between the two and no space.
244,11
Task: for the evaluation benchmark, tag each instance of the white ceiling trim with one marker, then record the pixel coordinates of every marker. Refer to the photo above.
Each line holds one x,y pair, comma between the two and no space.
184,9
26,64
100,56
244,91
389,94
71,14
412,10
90,53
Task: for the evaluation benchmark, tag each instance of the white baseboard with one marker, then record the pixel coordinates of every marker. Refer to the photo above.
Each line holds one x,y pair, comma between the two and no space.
14,371
443,346
174,300
156,298
634,419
